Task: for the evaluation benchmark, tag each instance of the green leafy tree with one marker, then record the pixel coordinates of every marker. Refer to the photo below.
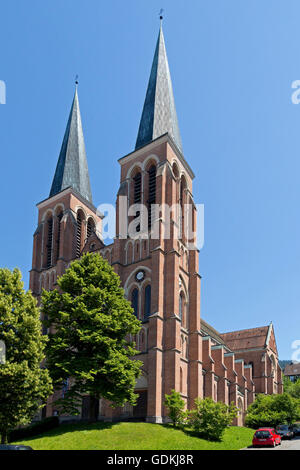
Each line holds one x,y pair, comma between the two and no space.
24,385
292,388
175,405
209,419
271,410
91,323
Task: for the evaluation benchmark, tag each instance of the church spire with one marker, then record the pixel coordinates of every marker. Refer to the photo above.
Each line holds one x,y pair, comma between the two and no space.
72,170
159,112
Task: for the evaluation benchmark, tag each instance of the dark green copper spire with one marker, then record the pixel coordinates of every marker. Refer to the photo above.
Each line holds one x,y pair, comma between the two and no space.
72,169
159,112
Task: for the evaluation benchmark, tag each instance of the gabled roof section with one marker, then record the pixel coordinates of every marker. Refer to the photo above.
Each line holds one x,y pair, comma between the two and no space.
246,339
72,169
270,340
159,113
94,239
292,369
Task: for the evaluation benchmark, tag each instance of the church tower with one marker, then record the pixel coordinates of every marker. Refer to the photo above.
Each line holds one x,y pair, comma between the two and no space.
155,254
160,271
156,263
67,218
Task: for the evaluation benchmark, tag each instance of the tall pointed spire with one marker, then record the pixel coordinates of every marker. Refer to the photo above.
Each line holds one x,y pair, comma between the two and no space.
159,112
72,169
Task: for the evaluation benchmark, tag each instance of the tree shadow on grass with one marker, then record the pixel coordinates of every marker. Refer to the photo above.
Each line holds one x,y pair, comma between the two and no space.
71,427
189,432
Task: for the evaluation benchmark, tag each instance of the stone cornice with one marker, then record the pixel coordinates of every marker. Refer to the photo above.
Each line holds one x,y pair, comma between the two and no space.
148,147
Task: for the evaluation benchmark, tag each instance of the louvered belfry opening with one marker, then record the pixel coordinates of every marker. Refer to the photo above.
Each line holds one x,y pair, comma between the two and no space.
78,235
147,301
90,228
49,243
182,205
59,217
152,193
137,194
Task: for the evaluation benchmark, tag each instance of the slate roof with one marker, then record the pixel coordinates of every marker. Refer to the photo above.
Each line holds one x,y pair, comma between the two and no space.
292,369
246,339
208,330
72,169
159,113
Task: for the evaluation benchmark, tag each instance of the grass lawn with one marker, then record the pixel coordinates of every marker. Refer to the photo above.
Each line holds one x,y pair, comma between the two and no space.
133,436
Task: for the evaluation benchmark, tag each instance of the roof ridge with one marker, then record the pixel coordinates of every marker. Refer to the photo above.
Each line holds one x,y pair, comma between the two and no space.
246,329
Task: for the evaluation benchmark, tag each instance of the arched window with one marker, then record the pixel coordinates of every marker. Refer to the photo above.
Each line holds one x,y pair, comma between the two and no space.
49,242
59,218
273,366
79,232
129,253
137,191
181,306
135,302
147,305
175,170
182,345
203,383
181,380
151,192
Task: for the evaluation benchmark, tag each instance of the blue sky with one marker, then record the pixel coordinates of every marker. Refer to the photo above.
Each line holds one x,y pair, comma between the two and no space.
232,65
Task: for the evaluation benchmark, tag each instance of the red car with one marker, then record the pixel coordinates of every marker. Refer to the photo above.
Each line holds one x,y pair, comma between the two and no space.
266,437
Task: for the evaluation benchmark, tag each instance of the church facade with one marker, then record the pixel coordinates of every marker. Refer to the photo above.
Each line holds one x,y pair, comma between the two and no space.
160,274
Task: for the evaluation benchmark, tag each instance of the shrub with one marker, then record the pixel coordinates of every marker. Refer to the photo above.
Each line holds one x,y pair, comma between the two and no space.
175,405
209,419
292,388
34,429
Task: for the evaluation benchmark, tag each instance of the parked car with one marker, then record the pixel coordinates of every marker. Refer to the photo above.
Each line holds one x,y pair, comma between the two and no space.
266,437
285,431
296,429
14,447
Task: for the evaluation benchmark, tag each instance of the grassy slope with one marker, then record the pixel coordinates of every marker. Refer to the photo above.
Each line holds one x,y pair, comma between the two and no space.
133,436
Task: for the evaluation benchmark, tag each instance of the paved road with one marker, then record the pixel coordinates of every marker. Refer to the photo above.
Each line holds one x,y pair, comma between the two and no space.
294,444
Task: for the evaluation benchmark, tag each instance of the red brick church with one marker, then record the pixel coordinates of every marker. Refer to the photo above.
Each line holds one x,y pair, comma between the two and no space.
160,275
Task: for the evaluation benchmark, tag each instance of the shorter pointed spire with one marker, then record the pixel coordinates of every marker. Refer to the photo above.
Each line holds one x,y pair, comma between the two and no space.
159,113
72,169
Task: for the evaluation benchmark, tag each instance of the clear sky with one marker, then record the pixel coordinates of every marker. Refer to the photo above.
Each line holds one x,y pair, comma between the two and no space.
232,64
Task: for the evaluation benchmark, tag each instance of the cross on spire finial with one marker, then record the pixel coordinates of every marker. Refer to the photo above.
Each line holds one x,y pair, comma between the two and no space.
161,15
76,81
